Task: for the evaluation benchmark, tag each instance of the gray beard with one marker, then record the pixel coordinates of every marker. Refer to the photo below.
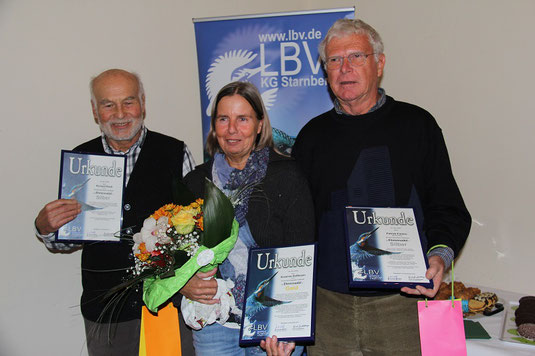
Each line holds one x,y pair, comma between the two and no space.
108,132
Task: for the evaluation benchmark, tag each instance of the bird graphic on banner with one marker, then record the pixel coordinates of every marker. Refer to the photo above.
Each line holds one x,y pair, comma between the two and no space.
226,69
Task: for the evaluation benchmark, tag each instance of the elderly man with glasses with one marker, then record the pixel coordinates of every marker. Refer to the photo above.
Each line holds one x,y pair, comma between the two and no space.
373,151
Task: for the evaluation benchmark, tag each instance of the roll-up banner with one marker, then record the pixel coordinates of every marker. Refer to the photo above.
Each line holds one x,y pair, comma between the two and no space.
278,53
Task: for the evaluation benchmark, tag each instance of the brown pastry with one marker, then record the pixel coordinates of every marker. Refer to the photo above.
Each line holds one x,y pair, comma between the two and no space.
525,318
476,306
525,313
488,298
526,298
527,331
460,291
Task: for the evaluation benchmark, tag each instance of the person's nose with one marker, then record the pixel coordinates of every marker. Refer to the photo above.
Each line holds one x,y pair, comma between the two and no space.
232,126
346,66
120,112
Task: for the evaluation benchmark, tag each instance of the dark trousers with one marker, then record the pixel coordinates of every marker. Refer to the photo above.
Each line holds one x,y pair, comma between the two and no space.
122,339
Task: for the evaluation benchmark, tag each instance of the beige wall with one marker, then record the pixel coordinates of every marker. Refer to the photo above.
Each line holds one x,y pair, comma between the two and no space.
467,62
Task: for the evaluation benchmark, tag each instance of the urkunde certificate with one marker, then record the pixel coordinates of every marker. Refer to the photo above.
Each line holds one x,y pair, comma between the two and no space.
96,181
384,249
279,294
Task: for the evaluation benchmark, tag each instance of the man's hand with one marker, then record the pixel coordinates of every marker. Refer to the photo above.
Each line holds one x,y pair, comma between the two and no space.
201,287
56,214
274,348
434,272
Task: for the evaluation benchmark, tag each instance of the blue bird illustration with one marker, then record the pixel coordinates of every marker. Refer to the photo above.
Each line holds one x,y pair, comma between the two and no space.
258,300
283,141
75,189
360,250
73,192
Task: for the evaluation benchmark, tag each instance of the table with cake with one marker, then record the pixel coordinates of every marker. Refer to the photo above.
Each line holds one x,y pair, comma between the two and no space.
507,317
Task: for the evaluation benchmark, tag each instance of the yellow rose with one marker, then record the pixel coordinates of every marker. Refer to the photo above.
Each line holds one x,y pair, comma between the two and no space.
183,221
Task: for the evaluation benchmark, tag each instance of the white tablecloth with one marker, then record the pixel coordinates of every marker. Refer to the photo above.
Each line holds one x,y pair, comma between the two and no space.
493,325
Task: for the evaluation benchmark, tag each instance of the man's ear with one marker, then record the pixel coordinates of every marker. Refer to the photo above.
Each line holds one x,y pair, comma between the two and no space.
381,65
95,112
143,106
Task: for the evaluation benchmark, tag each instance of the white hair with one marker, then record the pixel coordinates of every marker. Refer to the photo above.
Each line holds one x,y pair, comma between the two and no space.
346,27
140,93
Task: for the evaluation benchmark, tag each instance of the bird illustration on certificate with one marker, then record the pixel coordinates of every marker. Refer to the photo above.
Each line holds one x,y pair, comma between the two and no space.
96,181
279,294
384,248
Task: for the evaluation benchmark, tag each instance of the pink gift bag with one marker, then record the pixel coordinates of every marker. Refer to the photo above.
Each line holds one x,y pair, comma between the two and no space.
441,328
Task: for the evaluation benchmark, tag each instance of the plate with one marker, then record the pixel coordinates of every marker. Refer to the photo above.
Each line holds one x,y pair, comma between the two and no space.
509,332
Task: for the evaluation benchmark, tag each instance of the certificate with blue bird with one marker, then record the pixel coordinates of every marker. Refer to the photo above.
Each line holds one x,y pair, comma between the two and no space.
96,181
279,294
384,249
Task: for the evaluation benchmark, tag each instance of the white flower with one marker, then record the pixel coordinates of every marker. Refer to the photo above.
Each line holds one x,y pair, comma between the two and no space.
136,246
148,235
137,238
164,239
162,221
150,242
149,223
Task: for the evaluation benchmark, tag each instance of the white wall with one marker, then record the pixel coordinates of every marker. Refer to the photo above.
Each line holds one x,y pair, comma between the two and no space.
467,62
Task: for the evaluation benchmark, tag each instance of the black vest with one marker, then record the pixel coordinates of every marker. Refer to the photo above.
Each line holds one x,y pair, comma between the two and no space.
104,265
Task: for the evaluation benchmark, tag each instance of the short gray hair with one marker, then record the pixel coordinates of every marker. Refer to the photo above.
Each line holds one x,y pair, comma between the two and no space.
346,27
135,76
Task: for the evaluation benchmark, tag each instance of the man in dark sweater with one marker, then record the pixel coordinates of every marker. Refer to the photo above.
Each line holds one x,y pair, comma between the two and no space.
373,151
154,161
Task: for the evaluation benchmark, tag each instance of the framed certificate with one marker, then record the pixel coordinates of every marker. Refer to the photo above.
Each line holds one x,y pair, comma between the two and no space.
384,248
279,294
96,181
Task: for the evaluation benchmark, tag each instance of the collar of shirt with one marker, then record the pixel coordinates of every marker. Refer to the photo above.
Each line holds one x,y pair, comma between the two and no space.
131,154
380,102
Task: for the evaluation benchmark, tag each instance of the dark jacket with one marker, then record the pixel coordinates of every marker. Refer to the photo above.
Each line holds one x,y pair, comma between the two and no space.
149,187
280,208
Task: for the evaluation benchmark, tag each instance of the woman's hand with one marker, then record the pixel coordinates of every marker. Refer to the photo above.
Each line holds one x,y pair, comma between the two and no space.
201,287
275,348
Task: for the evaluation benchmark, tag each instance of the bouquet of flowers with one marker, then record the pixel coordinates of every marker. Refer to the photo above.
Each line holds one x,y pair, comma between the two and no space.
176,241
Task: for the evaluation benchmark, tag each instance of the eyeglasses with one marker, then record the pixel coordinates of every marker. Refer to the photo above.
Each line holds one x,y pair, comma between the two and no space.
356,59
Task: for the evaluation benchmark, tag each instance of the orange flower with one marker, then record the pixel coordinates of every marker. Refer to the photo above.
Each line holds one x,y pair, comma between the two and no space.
200,223
143,255
167,210
197,203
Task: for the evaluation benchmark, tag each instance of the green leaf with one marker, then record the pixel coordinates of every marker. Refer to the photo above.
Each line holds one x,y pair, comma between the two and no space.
523,340
218,215
181,194
127,284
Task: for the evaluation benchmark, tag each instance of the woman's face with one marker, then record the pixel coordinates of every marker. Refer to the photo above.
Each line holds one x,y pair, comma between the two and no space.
236,128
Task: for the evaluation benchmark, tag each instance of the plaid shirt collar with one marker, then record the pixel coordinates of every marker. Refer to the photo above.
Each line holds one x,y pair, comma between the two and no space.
131,154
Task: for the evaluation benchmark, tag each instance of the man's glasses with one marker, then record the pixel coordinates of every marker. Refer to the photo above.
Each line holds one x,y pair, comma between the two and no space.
356,59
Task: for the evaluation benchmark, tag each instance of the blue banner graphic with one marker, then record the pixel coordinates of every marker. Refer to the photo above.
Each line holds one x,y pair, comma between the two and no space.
276,52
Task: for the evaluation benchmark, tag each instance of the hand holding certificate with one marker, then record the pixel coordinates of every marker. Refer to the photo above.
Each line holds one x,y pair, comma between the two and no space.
279,295
384,249
96,182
